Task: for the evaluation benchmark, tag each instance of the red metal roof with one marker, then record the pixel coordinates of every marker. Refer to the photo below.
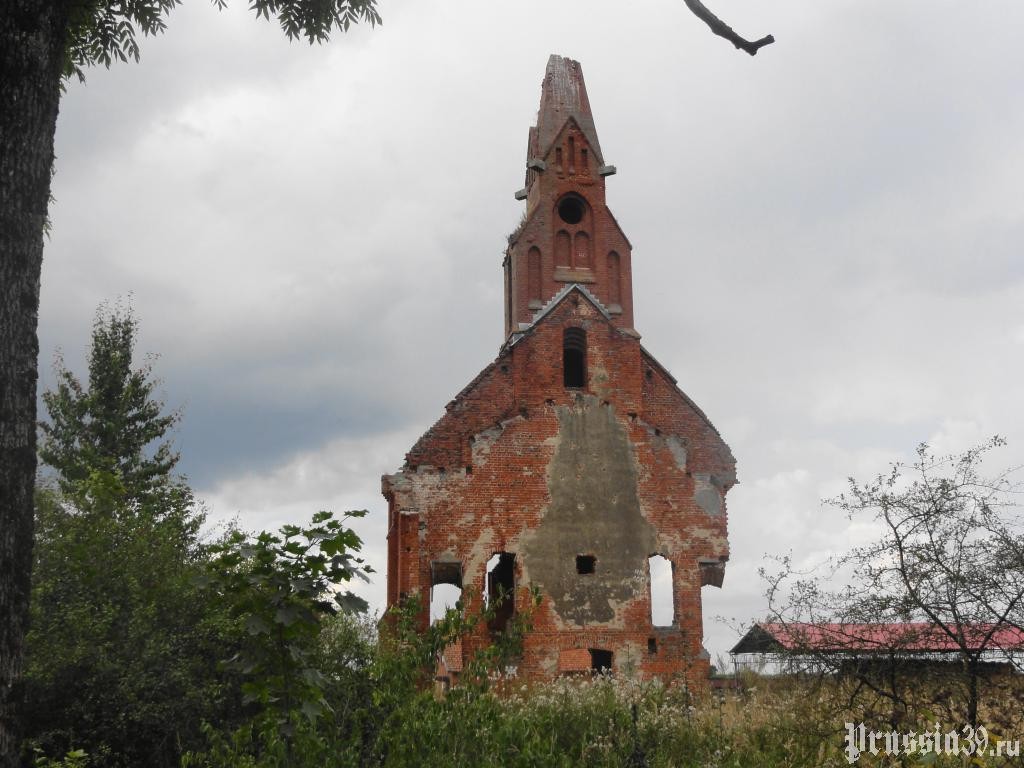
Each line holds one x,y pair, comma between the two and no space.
913,636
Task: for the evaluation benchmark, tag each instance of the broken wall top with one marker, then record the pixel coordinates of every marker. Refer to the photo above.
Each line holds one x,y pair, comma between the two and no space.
564,96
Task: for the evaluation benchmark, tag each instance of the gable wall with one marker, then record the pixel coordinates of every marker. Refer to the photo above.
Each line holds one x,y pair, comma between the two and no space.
546,473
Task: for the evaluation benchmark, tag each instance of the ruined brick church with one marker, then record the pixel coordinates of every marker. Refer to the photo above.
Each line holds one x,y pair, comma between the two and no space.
573,463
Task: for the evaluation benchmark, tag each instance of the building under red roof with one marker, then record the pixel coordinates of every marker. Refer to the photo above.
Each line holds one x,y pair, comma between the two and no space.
773,647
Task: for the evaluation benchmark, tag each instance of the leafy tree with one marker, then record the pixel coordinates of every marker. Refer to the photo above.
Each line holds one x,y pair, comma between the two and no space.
947,566
119,654
41,43
283,589
353,699
109,426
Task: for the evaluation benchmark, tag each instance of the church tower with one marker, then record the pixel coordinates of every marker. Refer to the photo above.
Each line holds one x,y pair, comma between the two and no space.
568,234
572,463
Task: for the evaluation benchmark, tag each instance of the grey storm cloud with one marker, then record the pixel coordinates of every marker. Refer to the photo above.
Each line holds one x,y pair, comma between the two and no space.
826,237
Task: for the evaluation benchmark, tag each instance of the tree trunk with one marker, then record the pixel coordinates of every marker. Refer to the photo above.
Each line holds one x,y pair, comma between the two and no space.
32,35
973,672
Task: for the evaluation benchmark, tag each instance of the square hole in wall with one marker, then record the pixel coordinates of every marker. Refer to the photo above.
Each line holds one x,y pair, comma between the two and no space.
600,660
585,563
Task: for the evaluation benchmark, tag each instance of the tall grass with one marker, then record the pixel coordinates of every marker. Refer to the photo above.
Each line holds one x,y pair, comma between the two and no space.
383,711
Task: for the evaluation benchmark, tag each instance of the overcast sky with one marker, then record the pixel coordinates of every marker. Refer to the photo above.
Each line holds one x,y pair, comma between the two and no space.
827,237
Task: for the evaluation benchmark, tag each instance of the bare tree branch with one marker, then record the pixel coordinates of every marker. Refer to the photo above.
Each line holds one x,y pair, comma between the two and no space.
722,29
946,575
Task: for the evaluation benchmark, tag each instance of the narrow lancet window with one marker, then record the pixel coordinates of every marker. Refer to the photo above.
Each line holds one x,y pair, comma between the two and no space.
563,247
445,588
663,613
582,251
500,589
574,358
614,279
533,276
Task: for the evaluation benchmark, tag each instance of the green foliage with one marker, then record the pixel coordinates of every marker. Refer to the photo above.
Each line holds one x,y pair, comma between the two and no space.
115,619
347,644
613,722
385,711
375,695
119,653
315,19
102,31
120,648
389,726
115,426
281,588
76,758
506,646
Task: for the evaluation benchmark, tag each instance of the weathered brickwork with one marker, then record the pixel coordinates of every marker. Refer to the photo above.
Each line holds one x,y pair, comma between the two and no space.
574,452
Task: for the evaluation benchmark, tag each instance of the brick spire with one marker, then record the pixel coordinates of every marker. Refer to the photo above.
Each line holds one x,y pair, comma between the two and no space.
568,234
563,95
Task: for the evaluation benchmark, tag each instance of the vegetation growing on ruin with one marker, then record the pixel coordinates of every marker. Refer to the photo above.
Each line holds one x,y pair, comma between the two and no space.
153,647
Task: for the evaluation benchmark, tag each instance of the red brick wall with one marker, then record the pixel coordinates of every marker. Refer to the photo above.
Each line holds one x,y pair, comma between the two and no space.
478,483
543,223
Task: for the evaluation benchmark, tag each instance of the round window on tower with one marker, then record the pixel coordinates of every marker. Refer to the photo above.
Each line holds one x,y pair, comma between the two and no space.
571,209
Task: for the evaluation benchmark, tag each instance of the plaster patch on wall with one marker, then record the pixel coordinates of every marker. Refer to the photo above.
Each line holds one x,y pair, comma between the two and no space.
549,663
673,443
677,448
629,659
707,493
595,511
600,381
482,442
669,542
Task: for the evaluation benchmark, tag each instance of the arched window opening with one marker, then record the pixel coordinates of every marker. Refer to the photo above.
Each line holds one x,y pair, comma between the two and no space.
572,155
533,274
499,593
574,358
614,279
663,612
508,294
445,588
582,250
443,598
563,245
